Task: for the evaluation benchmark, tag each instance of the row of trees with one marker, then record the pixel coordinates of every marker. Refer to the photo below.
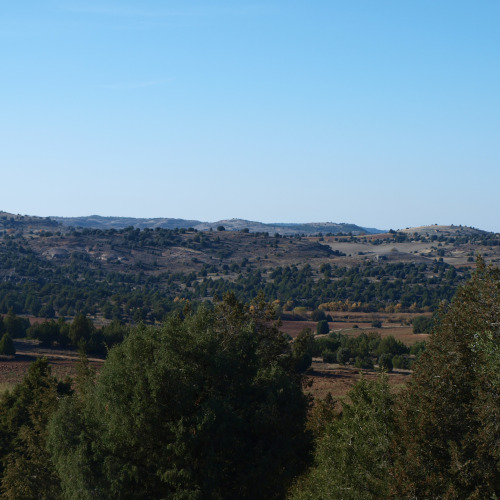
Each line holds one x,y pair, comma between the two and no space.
364,350
80,333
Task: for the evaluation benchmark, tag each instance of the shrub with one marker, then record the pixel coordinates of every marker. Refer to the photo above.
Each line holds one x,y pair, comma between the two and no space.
322,328
329,356
401,362
343,355
422,324
7,345
385,362
365,363
318,315
418,348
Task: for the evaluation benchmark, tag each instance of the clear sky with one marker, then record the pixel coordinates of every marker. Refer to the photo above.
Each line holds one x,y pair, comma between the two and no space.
382,113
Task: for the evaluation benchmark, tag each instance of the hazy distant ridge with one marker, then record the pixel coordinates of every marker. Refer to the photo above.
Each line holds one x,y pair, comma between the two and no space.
97,221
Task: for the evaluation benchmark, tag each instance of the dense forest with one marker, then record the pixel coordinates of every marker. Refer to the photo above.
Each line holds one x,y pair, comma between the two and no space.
210,404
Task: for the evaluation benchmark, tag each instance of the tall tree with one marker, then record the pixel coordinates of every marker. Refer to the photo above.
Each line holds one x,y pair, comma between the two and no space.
204,407
449,416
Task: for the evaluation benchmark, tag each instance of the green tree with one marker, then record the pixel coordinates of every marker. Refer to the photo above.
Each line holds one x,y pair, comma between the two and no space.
14,325
81,331
422,324
352,457
302,350
322,327
7,345
343,355
204,407
449,415
26,468
385,362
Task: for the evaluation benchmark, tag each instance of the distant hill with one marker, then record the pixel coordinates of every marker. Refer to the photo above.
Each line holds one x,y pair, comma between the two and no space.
313,228
440,230
99,222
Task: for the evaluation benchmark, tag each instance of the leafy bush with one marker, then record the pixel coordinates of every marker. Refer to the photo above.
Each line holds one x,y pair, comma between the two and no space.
422,324
318,315
343,355
401,362
322,327
418,348
385,362
329,356
365,363
7,345
389,345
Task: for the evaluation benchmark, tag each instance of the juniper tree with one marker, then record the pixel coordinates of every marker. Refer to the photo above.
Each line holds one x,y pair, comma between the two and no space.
448,443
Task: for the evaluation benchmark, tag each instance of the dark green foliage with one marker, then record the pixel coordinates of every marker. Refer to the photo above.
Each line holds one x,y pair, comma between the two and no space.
303,349
329,356
422,324
81,331
389,345
322,327
7,345
318,315
352,458
205,407
47,332
385,362
401,362
14,325
47,311
418,348
365,363
114,333
26,468
377,324
343,355
449,447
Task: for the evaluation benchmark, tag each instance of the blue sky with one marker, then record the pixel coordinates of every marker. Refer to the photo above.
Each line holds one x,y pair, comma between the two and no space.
382,113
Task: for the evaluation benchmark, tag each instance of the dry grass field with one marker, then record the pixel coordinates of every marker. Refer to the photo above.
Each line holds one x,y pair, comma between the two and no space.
338,379
63,362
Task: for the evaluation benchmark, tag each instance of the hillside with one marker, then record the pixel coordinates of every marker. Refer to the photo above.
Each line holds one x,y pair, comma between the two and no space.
48,269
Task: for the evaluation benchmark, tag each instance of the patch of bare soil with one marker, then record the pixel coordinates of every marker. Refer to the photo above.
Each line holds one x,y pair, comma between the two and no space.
338,379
